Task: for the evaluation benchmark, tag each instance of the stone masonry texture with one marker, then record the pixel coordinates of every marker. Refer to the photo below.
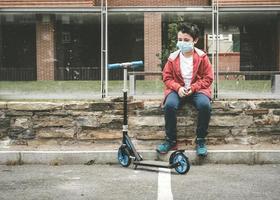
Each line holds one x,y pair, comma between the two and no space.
234,122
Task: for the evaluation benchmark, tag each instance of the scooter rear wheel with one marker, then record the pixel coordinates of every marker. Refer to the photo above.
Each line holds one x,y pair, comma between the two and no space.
124,156
183,161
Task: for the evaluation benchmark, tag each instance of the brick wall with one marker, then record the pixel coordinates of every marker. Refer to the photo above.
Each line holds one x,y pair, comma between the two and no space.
158,2
248,2
45,49
152,41
46,3
229,62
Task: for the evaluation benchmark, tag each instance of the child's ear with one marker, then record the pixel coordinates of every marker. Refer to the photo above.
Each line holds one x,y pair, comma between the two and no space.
195,41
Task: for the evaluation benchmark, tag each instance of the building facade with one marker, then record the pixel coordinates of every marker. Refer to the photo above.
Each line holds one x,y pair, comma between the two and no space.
65,40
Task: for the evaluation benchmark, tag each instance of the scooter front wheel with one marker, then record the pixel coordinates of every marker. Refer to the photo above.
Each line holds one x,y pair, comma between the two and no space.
183,163
124,156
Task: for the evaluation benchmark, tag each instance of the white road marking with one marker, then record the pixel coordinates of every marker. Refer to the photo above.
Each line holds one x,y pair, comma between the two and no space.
164,185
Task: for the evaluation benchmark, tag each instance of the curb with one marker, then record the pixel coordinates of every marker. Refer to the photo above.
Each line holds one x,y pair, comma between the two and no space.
250,157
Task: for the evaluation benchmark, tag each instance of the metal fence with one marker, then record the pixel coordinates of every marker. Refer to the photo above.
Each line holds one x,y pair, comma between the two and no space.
18,74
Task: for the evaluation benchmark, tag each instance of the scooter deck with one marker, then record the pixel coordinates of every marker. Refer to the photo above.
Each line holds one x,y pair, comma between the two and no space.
151,163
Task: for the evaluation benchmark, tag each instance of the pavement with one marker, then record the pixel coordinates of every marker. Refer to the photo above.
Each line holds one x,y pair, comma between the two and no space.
108,182
106,153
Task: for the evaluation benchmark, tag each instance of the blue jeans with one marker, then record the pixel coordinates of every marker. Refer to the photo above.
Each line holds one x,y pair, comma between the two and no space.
199,100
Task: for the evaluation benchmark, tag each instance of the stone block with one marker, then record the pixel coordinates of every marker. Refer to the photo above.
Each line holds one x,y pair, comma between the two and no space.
88,121
269,104
239,131
264,130
5,122
218,132
18,113
150,135
56,132
136,105
267,120
219,105
101,106
3,105
52,121
20,133
62,113
34,106
20,122
276,112
146,121
151,111
99,135
257,112
243,105
76,106
226,112
231,121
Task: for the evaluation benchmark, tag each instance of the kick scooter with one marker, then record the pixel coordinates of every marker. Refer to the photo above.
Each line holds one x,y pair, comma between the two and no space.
127,152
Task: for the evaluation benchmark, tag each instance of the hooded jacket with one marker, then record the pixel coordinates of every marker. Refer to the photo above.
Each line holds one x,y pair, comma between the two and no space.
202,77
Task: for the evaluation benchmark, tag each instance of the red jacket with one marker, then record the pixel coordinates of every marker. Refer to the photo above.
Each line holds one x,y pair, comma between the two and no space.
202,77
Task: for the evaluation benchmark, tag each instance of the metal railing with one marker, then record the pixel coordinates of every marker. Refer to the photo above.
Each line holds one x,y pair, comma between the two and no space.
238,75
17,74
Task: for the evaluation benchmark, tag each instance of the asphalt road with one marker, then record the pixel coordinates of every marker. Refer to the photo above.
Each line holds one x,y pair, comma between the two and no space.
250,182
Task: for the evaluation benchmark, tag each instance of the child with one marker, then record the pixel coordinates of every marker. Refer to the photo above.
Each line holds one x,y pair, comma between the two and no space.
187,77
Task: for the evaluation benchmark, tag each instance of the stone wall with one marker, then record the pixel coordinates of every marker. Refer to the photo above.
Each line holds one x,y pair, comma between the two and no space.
235,122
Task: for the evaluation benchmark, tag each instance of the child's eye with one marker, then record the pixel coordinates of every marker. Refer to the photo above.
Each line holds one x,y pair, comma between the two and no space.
186,40
180,39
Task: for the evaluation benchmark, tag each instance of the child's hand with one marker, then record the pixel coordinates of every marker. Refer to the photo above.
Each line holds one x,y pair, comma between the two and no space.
182,92
189,91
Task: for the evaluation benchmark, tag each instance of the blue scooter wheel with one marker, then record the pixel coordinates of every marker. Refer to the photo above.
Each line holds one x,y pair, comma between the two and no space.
183,163
124,156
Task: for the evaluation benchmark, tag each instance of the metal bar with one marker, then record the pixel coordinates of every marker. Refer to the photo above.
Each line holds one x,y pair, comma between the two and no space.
143,163
217,50
51,10
106,48
249,8
160,9
125,79
213,36
220,73
132,85
265,8
102,51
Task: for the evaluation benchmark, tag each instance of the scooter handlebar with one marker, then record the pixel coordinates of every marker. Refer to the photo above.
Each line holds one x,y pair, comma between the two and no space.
133,64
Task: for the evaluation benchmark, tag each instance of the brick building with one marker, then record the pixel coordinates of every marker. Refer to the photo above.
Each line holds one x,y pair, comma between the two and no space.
60,40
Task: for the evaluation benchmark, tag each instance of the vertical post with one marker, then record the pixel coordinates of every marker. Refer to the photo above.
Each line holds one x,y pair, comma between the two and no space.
278,43
125,109
132,85
104,52
217,49
215,44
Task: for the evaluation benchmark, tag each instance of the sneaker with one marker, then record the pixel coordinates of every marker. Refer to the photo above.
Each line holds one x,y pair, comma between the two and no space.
201,149
166,146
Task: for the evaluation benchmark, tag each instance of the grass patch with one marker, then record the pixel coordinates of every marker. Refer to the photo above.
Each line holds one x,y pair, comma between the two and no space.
251,86
92,89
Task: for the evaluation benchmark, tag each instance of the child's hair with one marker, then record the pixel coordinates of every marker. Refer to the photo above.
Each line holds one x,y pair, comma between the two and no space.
191,29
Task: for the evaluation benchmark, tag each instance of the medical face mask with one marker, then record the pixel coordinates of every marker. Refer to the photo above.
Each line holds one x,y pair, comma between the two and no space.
185,47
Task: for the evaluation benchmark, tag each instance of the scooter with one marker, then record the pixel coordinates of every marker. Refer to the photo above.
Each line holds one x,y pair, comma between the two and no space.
127,151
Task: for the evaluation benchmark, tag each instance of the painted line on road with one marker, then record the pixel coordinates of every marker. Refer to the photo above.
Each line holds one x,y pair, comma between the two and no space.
164,184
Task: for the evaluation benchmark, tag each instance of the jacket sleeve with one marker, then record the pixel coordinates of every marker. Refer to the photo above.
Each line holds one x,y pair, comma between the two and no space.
168,77
205,77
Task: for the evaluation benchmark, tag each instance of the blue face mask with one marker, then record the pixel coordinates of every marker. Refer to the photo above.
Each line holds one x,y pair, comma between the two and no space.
185,47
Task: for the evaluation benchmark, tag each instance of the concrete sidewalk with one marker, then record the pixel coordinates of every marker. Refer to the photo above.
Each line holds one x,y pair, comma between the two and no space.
62,157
